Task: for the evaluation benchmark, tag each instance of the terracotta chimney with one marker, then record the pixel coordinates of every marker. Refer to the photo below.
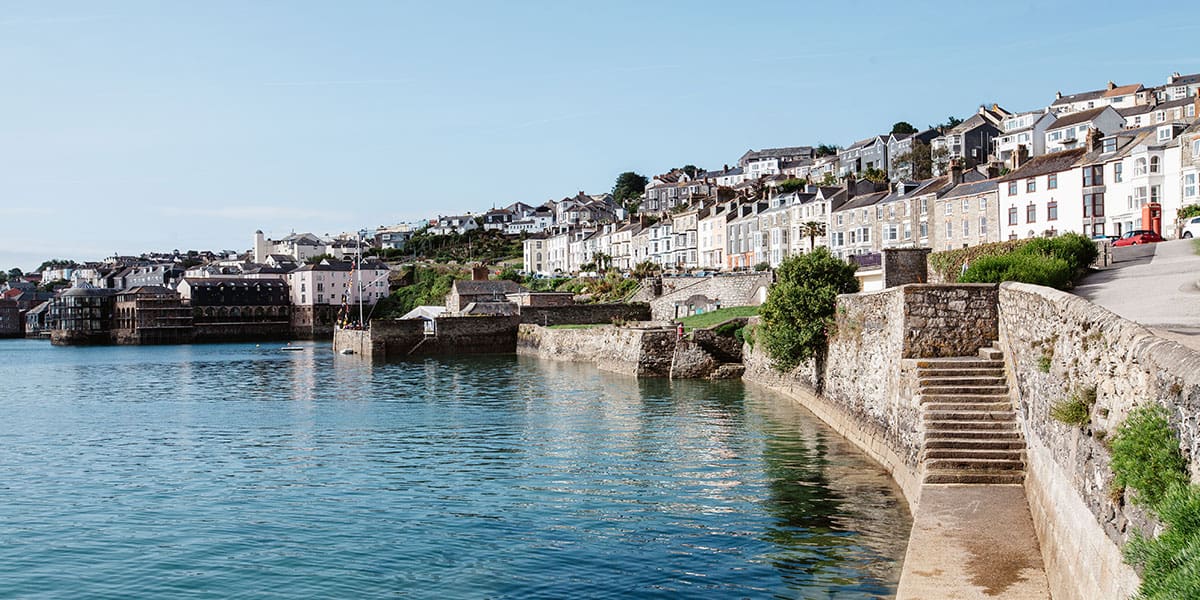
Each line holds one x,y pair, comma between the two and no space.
1112,85
479,273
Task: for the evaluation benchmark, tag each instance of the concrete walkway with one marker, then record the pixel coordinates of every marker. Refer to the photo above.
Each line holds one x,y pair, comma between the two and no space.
973,542
1155,285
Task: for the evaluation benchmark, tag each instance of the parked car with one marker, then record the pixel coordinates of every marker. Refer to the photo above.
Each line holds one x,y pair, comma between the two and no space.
1191,228
1138,236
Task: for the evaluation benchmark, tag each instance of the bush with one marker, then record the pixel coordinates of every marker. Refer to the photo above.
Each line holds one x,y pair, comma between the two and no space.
1026,268
1076,249
728,330
800,306
1146,456
1077,411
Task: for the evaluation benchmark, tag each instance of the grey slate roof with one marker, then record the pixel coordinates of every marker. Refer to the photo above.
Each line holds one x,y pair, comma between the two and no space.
971,189
1076,118
1045,164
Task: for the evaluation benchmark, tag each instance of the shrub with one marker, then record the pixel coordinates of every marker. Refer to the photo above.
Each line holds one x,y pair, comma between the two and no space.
1171,562
1026,268
1077,410
728,330
949,263
1076,249
762,266
1146,456
800,306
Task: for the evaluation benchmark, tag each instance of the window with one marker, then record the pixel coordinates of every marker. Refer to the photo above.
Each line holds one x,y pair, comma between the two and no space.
983,203
1196,148
1052,211
908,231
1052,181
878,212
1012,188
966,205
1110,145
1093,175
925,201
966,228
1012,215
1139,167
839,219
1031,185
1093,205
1153,164
949,208
1164,134
1139,197
1154,193
1118,170
982,226
949,230
1189,185
924,229
1030,213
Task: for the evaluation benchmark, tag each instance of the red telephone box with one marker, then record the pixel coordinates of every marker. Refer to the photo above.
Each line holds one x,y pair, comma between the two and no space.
1152,217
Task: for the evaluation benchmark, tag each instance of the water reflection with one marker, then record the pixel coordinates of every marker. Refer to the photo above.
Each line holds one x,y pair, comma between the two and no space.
234,468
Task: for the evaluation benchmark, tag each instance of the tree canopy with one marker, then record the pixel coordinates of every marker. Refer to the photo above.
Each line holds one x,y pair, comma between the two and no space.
801,305
826,150
790,185
903,127
691,170
629,189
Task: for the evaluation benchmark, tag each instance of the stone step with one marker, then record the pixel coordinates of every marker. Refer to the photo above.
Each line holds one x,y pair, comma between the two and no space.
926,397
974,444
942,406
995,477
974,464
1009,425
925,382
991,354
968,453
959,363
955,372
972,435
971,390
971,415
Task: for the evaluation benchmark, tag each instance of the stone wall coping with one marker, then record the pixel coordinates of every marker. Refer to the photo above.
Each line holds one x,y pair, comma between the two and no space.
1168,355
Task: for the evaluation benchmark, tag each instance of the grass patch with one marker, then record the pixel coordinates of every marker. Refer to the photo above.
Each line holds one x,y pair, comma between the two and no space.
1077,410
708,319
1045,362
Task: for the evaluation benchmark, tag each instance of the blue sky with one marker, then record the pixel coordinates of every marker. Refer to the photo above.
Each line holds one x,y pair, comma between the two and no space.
135,126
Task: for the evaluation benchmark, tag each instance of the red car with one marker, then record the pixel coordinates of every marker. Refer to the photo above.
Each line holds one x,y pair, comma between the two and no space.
1138,236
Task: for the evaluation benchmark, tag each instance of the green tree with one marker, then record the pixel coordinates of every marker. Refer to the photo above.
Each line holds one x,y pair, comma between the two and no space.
826,150
800,307
875,175
691,170
628,190
939,159
917,163
903,127
829,179
812,230
788,186
951,122
14,273
312,260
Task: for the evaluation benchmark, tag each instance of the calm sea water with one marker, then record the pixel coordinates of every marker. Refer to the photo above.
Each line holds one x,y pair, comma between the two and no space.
234,471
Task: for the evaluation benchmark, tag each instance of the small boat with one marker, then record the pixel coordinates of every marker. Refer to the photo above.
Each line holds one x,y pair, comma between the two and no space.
347,351
290,348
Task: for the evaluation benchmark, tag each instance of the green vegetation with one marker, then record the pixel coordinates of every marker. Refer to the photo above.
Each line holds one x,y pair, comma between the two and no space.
1055,262
708,319
1077,410
790,185
475,245
799,310
628,190
1189,211
1146,458
312,260
903,127
826,150
430,286
875,175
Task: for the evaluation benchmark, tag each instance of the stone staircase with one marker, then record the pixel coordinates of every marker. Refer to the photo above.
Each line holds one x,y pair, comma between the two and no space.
971,433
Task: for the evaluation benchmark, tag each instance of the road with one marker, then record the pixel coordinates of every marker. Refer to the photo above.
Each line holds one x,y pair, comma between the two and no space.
1157,285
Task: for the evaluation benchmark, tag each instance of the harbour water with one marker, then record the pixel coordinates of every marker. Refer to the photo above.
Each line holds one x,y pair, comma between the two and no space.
236,471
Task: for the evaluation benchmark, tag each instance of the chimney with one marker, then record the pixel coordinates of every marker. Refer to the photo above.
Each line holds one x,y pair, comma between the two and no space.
956,172
1111,85
1172,78
1094,138
1058,95
993,170
850,186
479,273
1020,156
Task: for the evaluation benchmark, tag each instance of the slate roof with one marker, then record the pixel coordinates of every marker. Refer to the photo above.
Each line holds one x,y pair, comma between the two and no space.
777,152
1123,90
469,287
862,201
1045,164
971,189
1076,118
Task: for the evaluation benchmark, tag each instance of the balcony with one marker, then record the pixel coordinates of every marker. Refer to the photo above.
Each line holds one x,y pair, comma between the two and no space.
872,259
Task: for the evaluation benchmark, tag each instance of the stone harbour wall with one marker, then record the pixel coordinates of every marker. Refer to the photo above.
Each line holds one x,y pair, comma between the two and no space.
949,319
640,352
1058,345
741,289
584,314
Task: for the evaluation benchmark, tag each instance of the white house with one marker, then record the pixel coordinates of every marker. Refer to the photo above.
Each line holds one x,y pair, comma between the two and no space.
1028,130
299,246
333,282
1046,196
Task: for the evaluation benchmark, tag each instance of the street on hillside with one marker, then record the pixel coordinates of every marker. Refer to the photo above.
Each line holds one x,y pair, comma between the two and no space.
1157,285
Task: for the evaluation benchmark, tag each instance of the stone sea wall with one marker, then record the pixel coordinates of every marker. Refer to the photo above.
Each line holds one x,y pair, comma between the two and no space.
640,352
1058,345
582,314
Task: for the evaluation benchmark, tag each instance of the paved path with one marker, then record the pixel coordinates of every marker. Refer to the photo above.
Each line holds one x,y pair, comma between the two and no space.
1157,285
973,542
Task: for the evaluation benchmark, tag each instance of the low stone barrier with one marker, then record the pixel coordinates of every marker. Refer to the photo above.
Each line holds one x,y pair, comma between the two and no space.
640,352
1058,345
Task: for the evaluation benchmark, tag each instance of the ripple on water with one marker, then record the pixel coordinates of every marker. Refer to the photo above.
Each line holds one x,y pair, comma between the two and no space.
232,471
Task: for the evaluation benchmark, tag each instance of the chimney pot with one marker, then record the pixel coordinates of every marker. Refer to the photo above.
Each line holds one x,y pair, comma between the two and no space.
1111,85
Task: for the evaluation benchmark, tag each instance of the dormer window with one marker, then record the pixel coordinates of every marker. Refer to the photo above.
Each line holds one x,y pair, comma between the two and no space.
1164,134
1110,145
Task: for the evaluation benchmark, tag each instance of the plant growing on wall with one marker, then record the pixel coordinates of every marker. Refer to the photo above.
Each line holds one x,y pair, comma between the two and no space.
800,306
1146,458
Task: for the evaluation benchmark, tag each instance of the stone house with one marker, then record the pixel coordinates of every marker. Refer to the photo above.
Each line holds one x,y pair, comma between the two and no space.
467,291
968,214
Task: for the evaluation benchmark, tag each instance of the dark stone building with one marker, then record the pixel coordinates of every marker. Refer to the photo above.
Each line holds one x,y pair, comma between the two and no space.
152,315
82,315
